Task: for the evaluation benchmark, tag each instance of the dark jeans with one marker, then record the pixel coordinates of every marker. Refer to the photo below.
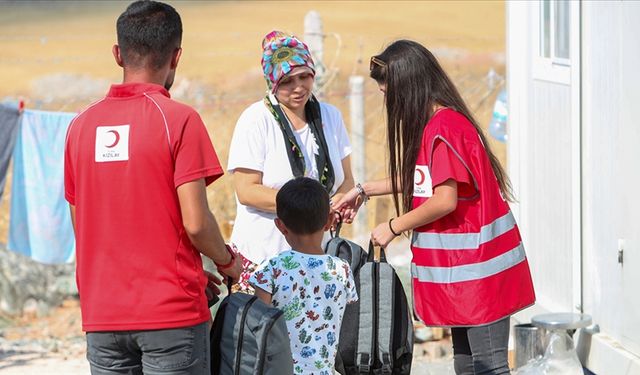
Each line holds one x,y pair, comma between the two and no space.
481,350
180,351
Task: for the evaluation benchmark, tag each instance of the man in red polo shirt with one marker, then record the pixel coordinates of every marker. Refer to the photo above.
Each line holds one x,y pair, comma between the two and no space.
136,167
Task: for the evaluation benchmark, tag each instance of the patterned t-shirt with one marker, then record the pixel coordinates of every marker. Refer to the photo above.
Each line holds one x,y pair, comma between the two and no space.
313,291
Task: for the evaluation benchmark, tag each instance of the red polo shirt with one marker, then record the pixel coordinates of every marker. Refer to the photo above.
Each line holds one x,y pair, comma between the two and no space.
124,158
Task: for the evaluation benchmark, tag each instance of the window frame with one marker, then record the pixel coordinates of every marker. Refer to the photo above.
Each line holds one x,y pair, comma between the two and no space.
551,68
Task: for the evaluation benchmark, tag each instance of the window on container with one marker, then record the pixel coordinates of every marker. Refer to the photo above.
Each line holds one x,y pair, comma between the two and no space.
555,19
561,29
545,29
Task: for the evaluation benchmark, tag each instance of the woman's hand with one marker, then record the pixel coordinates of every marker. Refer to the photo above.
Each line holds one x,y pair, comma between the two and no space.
337,197
381,235
347,204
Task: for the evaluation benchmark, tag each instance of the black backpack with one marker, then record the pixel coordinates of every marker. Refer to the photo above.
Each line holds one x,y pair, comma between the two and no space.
376,336
249,337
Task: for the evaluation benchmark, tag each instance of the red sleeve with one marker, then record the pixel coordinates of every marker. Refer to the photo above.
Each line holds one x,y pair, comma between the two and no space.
195,156
446,165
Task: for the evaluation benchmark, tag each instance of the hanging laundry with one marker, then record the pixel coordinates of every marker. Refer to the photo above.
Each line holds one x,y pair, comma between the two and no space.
9,117
40,224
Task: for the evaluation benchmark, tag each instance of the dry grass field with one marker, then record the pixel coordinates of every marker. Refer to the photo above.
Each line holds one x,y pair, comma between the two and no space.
57,56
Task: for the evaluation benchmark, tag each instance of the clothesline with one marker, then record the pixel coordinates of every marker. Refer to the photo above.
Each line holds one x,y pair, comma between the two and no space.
39,226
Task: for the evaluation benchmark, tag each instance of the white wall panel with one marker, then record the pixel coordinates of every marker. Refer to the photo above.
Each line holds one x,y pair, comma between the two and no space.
601,132
611,168
548,177
630,171
574,157
539,163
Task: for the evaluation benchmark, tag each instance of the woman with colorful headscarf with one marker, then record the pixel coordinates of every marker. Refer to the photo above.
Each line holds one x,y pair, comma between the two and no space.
287,134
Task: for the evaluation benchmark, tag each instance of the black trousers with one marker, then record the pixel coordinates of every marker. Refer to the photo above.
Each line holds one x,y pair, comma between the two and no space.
481,350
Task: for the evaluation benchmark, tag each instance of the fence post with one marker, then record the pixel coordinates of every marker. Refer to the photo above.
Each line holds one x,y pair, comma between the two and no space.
358,160
314,38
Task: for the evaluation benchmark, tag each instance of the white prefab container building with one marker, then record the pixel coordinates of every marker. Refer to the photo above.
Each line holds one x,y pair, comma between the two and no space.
573,82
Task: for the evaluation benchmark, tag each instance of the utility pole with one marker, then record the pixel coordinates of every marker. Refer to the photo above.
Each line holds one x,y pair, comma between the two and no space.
314,38
358,160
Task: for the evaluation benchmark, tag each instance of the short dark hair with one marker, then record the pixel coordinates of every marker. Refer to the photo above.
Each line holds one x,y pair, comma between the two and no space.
148,33
303,205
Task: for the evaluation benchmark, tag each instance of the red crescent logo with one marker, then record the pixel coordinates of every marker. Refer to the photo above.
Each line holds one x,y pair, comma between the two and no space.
421,178
116,140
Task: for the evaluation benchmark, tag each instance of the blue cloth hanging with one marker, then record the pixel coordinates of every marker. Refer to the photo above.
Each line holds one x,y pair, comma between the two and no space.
40,224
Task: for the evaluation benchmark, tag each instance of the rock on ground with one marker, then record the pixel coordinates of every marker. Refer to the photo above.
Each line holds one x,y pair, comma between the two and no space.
29,287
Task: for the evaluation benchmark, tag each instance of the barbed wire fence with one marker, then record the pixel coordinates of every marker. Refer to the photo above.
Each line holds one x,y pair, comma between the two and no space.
220,107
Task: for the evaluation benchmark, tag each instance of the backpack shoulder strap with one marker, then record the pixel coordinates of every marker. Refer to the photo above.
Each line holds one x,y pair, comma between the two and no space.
366,340
383,257
337,225
331,248
273,332
386,287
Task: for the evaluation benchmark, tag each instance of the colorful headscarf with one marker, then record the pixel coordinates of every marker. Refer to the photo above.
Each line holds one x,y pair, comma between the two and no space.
280,54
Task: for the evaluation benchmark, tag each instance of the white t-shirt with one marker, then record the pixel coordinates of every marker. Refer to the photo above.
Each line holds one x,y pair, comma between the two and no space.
258,144
312,291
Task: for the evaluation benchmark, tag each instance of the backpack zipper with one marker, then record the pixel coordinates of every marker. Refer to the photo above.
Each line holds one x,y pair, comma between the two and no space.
241,333
267,329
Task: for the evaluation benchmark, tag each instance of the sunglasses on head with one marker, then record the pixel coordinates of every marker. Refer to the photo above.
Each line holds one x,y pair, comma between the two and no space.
376,62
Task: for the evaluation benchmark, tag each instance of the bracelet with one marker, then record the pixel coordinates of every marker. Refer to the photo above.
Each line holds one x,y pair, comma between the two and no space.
361,192
230,262
391,228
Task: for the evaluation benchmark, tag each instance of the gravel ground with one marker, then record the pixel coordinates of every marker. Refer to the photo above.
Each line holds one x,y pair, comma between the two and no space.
55,344
25,362
38,363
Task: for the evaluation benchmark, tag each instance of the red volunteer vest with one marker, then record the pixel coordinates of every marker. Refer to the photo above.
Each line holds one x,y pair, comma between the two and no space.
469,268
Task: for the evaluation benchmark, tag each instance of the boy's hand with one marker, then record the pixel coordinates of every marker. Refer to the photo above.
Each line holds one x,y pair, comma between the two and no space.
263,295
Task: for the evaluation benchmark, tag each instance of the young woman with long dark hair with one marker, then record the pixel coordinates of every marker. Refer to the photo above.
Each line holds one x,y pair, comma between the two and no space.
469,270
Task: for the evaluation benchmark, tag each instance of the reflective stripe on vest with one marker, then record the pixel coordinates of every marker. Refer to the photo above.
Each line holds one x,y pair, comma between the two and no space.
468,272
464,241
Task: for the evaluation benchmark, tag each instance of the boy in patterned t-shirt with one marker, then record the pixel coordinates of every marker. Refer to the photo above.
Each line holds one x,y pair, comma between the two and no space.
312,288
